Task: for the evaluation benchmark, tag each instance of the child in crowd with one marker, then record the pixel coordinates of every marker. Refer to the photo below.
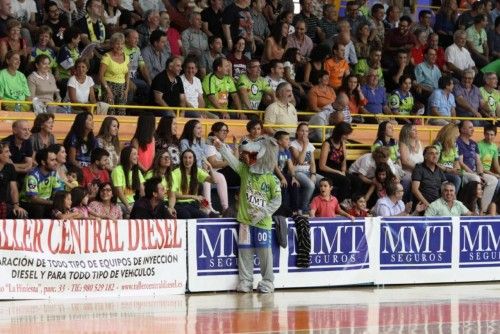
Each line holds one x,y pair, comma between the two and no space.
383,175
61,207
285,172
358,206
71,178
325,204
80,201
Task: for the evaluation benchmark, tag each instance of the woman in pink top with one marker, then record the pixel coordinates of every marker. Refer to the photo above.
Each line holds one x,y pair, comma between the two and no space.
144,141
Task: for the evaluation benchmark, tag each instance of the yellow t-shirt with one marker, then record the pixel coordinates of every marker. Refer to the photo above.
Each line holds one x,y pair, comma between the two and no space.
115,72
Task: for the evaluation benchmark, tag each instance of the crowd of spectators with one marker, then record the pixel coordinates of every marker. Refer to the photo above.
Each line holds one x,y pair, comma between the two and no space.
253,55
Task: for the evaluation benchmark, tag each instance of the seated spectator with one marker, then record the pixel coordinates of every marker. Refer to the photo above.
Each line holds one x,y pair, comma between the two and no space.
402,102
144,141
218,86
402,66
392,15
162,168
167,89
95,32
312,21
97,172
43,48
20,148
471,165
300,40
321,94
385,138
139,73
104,204
72,176
57,22
79,202
42,83
211,18
152,205
277,72
61,207
173,36
282,111
66,58
333,160
111,15
81,85
490,96
353,16
427,73
108,139
442,102
363,44
260,27
13,84
15,43
61,169
457,56
193,91
477,41
357,101
427,177
214,52
494,40
313,68
331,115
239,61
336,66
375,97
325,204
467,18
392,205
371,63
166,138
275,44
447,205
127,179
440,57
179,13
494,209
39,185
114,74
471,197
293,64
467,96
424,22
253,89
488,153
445,143
156,53
410,150
80,141
358,208
305,167
417,52
9,193
194,40
285,172
186,181
399,39
445,21
328,24
41,132
271,11
378,189
344,38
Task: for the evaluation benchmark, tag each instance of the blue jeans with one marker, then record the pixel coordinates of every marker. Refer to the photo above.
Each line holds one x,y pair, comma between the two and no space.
307,187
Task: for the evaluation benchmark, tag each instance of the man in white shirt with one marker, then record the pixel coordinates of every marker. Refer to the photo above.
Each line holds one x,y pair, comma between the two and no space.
457,56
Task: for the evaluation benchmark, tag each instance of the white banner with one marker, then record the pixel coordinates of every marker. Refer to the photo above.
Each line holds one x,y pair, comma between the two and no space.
86,258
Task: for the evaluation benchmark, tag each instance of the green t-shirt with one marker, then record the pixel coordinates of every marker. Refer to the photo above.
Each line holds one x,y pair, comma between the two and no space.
260,189
118,179
13,87
447,159
40,185
149,175
220,88
492,99
487,153
255,89
201,176
400,102
362,69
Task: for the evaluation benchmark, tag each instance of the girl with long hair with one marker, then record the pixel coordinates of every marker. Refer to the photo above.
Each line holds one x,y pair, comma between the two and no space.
80,201
275,45
41,132
127,179
314,68
411,150
238,59
186,181
445,143
385,137
166,138
61,207
104,205
333,160
445,22
144,141
80,141
162,168
471,196
108,139
357,101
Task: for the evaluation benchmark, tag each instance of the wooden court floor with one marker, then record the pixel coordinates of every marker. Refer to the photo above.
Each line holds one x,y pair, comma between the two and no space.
461,309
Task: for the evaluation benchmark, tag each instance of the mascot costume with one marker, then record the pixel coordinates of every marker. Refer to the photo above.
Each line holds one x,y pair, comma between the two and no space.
260,197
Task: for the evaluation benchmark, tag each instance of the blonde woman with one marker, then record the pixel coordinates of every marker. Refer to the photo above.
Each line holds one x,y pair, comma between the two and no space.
114,74
411,151
445,143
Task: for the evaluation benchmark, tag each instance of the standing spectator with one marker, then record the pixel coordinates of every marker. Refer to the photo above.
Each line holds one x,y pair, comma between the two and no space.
152,205
214,52
399,39
167,89
81,85
194,40
232,18
275,44
470,162
337,66
179,13
39,185
238,59
252,88
41,132
447,205
442,102
20,148
427,177
312,22
42,83
108,139
14,42
410,150
9,194
477,41
92,26
375,97
145,29
488,152
13,84
468,96
211,18
144,141
458,58
490,96
166,138
114,74
218,86
344,38
139,73
300,40
105,203
80,141
305,167
321,94
333,160
96,173
156,53
282,111
127,179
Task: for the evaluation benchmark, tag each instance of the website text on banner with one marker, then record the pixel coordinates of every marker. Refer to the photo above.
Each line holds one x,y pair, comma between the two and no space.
339,255
88,258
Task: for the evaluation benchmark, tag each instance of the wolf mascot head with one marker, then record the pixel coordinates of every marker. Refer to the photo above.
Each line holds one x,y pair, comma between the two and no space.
260,155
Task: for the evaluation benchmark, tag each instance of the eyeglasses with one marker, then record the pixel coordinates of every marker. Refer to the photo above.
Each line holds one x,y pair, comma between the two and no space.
165,157
224,130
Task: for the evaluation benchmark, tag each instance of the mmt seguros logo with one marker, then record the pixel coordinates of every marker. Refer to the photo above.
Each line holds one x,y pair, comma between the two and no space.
479,242
415,244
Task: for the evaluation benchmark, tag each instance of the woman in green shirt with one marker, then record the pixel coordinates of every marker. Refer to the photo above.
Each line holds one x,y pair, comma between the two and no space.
162,168
445,143
13,84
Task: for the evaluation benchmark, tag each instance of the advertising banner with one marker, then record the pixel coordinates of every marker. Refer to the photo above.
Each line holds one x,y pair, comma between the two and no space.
88,258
